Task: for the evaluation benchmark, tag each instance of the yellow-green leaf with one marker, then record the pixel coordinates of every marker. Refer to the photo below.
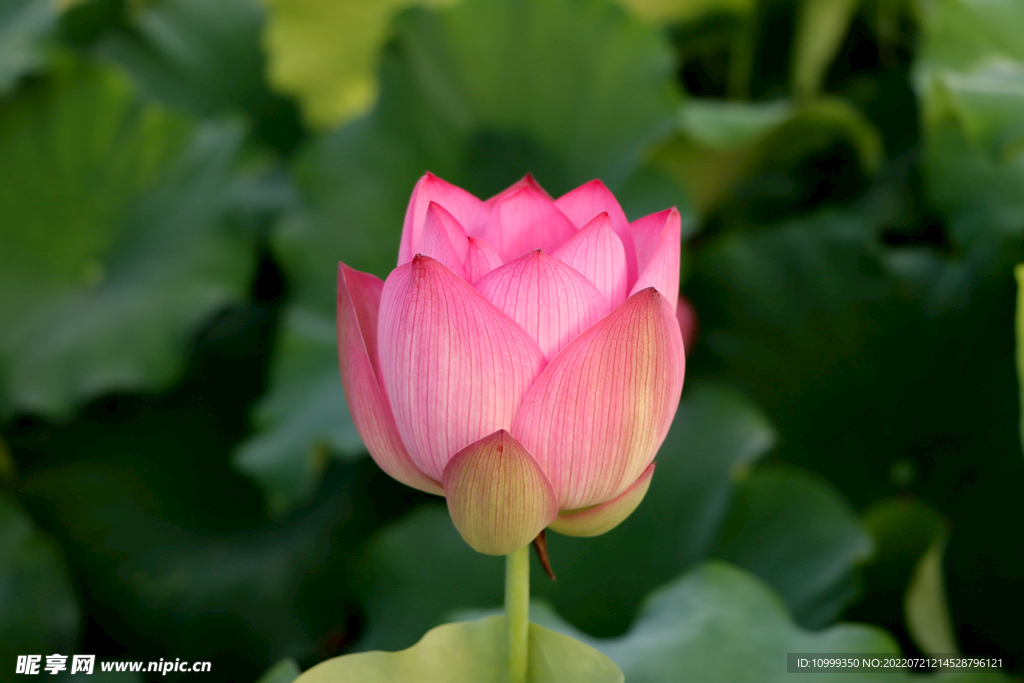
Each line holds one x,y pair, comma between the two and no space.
821,27
471,652
325,52
925,606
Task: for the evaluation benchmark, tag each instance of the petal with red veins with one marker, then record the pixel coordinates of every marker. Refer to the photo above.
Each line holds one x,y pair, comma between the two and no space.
524,220
444,239
597,414
590,199
498,496
454,367
646,235
547,298
661,269
603,518
471,213
358,304
596,252
480,259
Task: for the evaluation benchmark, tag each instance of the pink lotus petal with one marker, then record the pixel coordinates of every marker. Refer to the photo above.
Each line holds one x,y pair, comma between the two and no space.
661,270
480,259
547,298
444,239
526,181
524,220
596,251
590,199
603,518
453,365
646,233
498,496
470,212
596,416
358,304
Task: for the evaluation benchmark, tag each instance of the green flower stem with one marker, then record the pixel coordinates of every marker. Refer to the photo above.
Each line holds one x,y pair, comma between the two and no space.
517,612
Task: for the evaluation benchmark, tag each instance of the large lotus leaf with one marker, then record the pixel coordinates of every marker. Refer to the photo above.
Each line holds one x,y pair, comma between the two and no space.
720,144
25,29
719,623
116,243
793,531
969,75
169,552
326,53
835,335
38,609
468,652
285,671
200,56
304,418
480,94
602,580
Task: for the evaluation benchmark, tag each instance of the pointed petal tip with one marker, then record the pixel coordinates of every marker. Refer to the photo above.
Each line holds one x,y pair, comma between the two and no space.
548,299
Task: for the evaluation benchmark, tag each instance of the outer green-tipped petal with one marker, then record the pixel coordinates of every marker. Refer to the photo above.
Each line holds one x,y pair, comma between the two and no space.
597,414
358,305
498,496
606,516
453,367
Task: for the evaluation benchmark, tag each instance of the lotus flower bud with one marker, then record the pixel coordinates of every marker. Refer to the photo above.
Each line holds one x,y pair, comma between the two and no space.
524,359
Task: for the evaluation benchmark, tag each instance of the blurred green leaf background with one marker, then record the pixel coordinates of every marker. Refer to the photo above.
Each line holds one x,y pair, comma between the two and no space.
179,476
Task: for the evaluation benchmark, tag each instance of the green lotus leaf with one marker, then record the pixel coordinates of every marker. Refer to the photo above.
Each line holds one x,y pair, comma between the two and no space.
470,652
326,53
117,243
969,77
39,612
26,28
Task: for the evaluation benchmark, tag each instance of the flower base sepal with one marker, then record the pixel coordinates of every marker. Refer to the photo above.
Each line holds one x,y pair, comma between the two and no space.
498,497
